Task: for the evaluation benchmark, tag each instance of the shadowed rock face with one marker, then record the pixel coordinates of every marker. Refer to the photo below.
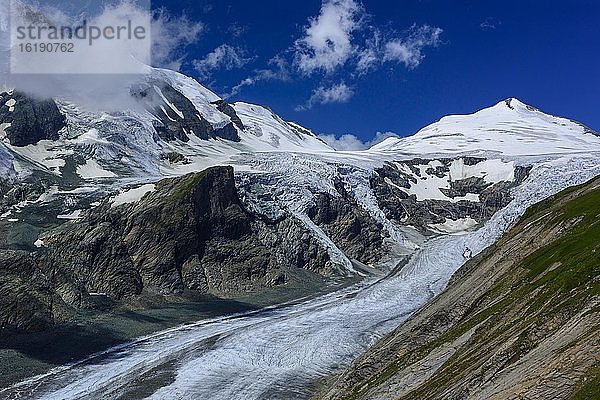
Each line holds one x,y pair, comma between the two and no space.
25,293
31,120
348,225
185,120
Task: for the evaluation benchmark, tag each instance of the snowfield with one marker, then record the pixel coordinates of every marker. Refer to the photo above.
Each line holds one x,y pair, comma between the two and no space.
510,128
132,195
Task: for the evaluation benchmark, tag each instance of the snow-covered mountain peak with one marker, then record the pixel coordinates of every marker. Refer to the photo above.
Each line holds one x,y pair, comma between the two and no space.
512,103
173,125
510,127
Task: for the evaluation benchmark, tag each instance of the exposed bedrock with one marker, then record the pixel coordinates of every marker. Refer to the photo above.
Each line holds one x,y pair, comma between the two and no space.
25,293
397,185
190,233
26,120
178,118
352,228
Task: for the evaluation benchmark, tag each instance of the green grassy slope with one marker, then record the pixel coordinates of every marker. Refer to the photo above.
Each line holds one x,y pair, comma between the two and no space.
549,279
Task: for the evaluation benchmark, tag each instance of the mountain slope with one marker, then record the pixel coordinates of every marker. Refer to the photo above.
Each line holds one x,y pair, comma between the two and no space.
509,127
167,114
522,320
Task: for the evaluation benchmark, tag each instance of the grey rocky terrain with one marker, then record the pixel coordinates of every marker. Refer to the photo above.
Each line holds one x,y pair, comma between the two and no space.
191,233
389,181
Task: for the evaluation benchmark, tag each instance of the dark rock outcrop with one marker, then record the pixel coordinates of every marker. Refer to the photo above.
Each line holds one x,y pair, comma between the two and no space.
174,158
227,132
355,232
228,110
121,251
30,119
177,117
190,233
25,293
389,181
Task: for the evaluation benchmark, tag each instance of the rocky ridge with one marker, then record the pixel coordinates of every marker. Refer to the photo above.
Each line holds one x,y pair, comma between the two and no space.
185,234
25,120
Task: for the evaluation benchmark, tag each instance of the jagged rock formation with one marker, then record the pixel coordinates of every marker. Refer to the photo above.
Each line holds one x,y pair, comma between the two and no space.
174,158
348,225
472,196
188,234
177,117
26,120
521,320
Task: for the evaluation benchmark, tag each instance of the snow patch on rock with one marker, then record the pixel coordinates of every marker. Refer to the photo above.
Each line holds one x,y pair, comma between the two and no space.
92,170
132,195
492,171
11,105
71,216
452,227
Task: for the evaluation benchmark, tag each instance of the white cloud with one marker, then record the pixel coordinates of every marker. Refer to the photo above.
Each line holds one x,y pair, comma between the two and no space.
327,42
339,35
351,142
280,71
409,50
108,92
224,56
171,35
369,56
339,93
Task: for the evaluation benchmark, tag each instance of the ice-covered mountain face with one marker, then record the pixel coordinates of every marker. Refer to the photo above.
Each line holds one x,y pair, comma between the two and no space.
509,128
174,122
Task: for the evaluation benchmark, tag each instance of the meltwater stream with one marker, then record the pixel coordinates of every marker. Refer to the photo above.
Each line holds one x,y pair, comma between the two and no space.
279,353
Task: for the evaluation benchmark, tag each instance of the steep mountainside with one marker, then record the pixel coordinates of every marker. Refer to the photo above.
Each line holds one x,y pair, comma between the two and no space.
521,320
183,234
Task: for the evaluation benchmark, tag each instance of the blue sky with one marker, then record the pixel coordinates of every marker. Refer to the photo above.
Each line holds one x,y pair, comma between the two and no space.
345,66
